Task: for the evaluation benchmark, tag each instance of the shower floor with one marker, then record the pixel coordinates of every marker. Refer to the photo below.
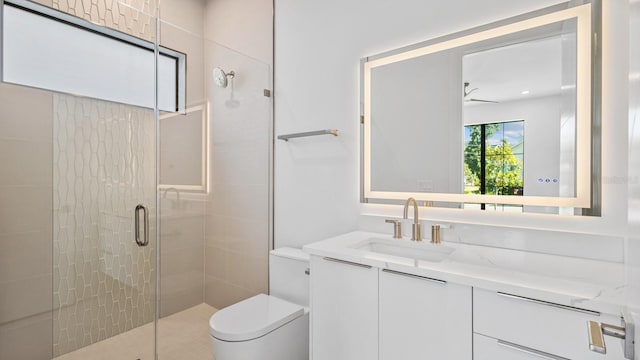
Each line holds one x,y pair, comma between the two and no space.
183,335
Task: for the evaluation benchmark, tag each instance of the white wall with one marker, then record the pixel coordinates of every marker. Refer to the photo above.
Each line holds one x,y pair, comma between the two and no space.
317,49
416,125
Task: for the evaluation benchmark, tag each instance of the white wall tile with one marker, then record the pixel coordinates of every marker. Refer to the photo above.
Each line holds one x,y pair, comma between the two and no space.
245,26
249,272
24,209
186,14
26,114
14,154
217,260
220,294
25,297
25,255
248,236
217,228
17,339
237,229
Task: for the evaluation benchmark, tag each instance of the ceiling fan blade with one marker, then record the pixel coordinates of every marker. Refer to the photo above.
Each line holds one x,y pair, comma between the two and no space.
466,92
481,100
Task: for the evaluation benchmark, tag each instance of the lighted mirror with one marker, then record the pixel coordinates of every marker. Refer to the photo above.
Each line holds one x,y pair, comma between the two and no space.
493,118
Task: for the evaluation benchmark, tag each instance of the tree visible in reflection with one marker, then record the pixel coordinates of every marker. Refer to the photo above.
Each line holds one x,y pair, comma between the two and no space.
503,170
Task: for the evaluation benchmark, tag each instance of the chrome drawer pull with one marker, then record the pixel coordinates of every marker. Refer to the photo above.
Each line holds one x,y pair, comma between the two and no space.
415,276
347,262
530,351
542,302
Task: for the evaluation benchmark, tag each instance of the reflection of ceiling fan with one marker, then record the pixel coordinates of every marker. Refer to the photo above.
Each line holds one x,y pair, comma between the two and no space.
468,92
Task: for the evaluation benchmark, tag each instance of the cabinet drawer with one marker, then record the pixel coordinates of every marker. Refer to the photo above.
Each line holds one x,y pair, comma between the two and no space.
486,348
544,326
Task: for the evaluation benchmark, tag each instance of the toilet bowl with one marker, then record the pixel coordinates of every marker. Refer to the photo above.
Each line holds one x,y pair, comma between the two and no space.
268,327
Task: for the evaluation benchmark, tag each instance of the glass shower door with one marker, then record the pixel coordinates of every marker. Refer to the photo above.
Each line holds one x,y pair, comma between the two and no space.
78,184
104,229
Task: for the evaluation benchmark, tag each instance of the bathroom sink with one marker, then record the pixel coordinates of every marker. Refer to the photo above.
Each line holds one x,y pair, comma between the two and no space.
403,248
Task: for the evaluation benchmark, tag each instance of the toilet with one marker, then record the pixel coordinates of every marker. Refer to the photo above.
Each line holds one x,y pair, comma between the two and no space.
268,327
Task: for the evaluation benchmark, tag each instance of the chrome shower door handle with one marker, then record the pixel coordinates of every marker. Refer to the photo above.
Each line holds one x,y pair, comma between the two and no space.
145,240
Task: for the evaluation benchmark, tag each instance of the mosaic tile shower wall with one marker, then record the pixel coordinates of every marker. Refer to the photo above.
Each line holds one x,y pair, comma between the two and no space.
133,17
103,166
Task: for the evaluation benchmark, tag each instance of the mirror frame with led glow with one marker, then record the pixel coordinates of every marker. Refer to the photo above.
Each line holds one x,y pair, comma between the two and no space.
586,194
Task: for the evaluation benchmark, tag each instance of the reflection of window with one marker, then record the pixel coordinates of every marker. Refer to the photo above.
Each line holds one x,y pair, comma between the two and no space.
494,158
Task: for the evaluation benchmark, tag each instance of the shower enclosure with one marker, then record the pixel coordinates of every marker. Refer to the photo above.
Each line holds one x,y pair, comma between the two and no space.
133,193
78,191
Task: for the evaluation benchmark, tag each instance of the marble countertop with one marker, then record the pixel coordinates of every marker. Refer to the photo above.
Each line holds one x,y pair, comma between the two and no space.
582,283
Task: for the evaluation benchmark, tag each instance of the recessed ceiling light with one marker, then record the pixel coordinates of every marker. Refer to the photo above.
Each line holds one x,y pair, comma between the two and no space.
525,92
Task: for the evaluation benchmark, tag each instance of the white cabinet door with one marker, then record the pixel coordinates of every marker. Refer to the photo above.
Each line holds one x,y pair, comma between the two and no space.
344,310
422,318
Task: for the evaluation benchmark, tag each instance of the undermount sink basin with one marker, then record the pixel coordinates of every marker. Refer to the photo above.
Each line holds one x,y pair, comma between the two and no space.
403,248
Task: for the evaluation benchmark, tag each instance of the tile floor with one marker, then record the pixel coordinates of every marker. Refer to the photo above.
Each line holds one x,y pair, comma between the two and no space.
183,335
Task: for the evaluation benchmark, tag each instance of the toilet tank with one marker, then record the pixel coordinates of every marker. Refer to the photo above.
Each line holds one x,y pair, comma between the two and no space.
288,278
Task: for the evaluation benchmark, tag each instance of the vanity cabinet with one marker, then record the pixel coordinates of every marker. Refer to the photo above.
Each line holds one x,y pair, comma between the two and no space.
344,316
513,327
364,312
423,318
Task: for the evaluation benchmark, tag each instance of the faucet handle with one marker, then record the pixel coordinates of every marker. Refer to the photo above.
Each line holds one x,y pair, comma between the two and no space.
435,234
397,228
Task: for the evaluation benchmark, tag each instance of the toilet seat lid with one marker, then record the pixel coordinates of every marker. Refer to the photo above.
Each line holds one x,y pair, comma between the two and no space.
252,318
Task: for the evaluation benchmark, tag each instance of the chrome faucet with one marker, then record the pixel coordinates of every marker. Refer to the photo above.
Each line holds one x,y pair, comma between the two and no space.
415,228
